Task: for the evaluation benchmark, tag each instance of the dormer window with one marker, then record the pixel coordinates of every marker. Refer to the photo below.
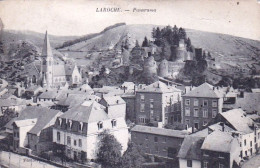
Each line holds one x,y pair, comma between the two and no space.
113,123
60,121
80,126
70,123
100,125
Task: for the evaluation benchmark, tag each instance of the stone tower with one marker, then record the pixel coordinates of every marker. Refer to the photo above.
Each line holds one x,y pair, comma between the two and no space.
47,63
163,68
150,66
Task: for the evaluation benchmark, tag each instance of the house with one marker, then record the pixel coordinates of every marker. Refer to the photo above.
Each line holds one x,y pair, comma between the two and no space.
158,142
33,91
190,153
15,104
220,149
201,105
115,106
153,102
128,86
249,133
76,131
32,129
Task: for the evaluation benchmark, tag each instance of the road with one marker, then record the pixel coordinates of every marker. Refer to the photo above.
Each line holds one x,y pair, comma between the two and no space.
252,162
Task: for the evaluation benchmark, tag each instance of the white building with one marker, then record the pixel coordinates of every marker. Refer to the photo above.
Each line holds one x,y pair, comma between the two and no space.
77,130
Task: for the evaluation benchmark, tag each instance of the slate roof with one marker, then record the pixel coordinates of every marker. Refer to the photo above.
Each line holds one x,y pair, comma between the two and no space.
71,101
46,50
238,120
12,102
159,87
59,70
23,123
190,148
113,100
92,113
205,90
219,141
48,95
159,131
45,117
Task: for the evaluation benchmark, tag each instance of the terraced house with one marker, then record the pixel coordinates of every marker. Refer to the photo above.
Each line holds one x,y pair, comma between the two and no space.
201,105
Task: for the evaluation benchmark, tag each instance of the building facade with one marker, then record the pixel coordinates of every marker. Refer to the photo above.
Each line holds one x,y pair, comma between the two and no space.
201,105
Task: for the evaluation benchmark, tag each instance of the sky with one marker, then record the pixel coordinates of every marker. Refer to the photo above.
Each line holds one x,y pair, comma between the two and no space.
79,17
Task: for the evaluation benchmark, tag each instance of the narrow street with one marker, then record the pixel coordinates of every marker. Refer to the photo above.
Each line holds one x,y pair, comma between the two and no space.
252,163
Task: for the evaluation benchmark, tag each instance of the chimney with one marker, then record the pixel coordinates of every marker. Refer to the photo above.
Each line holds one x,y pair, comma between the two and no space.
117,101
124,88
222,126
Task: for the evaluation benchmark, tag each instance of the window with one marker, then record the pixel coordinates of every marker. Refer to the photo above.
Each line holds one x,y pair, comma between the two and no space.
58,136
142,107
69,152
155,139
75,143
221,165
100,125
196,112
205,102
187,111
80,143
142,120
245,142
189,163
214,113
205,164
205,113
187,122
142,97
214,103
70,123
205,123
151,103
187,102
221,156
68,140
17,134
164,140
196,102
151,113
113,123
80,126
250,143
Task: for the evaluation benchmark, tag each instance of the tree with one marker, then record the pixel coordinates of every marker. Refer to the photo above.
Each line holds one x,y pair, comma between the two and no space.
8,115
145,42
133,157
137,44
109,151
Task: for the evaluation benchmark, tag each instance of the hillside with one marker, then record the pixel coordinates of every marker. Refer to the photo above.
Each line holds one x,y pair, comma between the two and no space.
226,49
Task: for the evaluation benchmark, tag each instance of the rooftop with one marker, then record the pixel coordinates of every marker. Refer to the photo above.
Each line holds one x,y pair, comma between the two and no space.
113,100
205,90
159,131
159,87
190,148
219,141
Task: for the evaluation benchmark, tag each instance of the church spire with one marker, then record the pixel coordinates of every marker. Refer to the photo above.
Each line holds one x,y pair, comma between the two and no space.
46,50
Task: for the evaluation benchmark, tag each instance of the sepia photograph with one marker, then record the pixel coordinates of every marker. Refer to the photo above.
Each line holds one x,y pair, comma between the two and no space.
130,84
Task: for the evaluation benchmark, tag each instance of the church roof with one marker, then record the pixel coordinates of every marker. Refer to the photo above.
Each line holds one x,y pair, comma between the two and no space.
59,70
46,50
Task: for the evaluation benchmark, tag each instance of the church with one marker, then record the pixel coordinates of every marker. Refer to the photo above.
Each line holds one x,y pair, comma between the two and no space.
52,72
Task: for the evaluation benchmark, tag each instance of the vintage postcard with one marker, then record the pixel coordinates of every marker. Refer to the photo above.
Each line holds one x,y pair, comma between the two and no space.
130,84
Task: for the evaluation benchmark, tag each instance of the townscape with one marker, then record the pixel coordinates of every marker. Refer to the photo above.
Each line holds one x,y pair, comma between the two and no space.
159,103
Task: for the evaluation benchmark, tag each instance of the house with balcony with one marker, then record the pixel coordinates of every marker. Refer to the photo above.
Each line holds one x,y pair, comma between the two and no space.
76,131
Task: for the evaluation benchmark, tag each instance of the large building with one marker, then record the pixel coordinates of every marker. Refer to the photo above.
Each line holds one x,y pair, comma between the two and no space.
201,105
76,131
51,71
158,142
153,103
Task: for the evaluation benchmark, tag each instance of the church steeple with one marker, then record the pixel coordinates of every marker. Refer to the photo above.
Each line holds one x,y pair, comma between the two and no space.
46,50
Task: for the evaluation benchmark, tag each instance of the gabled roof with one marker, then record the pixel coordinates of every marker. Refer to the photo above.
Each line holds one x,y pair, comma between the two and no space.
190,148
204,90
219,141
159,131
238,120
50,94
12,102
59,70
159,87
92,113
85,87
46,50
43,115
71,101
